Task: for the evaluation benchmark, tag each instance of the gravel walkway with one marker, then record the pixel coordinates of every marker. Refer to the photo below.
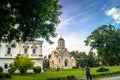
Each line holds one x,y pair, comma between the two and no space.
112,78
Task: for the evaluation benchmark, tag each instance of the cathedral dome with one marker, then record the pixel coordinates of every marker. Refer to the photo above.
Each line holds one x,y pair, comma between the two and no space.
61,39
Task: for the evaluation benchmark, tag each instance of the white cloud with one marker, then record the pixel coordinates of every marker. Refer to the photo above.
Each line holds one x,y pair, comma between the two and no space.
114,13
64,22
72,20
67,21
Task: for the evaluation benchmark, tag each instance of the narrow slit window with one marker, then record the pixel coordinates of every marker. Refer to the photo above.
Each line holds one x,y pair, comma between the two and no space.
8,50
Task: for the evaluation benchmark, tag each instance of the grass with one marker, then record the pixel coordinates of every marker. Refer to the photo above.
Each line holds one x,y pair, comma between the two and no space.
78,73
51,74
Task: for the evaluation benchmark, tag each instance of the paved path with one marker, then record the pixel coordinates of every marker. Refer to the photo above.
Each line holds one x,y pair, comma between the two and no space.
112,78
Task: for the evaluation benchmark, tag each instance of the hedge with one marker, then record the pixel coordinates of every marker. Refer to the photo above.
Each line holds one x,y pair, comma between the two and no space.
106,74
63,78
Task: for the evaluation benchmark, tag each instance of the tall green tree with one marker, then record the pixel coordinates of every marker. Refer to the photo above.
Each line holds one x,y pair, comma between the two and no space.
105,40
93,60
45,63
28,19
23,63
82,59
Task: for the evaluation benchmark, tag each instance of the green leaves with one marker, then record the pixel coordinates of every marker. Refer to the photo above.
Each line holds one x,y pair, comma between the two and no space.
105,40
36,18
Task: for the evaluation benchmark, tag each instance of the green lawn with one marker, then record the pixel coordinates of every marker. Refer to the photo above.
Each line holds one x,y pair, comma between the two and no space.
78,73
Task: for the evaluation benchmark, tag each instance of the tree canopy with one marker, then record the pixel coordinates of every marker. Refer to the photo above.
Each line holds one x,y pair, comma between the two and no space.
28,19
105,40
84,59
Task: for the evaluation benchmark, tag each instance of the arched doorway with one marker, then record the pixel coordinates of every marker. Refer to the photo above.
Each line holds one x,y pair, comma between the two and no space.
66,62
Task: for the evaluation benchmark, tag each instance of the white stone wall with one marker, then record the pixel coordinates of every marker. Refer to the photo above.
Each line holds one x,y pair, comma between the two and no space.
19,49
5,61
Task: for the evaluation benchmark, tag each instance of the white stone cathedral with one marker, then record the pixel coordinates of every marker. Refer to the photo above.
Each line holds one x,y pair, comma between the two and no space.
9,51
61,58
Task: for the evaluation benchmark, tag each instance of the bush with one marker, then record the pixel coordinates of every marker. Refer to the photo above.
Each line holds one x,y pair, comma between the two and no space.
71,77
5,76
102,69
2,76
8,76
1,69
10,71
37,69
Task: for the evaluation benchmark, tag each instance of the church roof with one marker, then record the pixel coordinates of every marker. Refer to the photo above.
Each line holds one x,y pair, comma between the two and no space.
61,39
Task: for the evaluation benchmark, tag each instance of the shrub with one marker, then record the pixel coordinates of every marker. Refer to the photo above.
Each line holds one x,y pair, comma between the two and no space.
8,76
73,77
5,76
1,75
1,69
37,69
102,69
11,71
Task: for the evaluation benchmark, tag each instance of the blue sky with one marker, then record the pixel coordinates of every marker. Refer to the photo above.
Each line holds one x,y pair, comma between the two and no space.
79,18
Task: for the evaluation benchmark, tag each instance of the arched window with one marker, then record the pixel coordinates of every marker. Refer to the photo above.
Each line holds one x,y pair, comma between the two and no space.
8,50
25,50
26,47
34,51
